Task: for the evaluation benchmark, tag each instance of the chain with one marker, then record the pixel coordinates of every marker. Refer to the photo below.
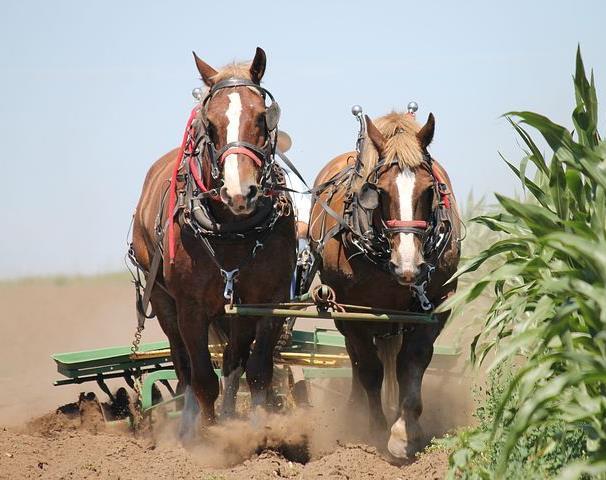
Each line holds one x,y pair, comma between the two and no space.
325,299
283,206
137,414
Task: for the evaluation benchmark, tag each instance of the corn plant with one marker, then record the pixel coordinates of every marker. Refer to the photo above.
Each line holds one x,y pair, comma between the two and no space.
549,310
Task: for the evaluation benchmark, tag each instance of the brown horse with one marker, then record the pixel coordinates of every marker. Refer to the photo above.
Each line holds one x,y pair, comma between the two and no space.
224,234
393,225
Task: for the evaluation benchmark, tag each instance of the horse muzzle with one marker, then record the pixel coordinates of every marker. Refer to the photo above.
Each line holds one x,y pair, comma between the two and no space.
405,277
238,203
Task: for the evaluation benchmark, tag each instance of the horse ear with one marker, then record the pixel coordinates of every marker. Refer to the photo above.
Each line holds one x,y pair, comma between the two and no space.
425,135
375,135
257,67
206,71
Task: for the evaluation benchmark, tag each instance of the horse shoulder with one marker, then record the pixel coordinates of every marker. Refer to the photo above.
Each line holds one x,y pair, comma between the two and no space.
333,167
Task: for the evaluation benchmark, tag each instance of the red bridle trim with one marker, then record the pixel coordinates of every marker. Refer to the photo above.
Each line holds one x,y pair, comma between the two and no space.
422,224
172,199
406,224
444,195
243,151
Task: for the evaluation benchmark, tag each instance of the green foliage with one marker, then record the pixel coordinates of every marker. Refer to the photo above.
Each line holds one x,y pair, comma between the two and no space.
540,453
549,284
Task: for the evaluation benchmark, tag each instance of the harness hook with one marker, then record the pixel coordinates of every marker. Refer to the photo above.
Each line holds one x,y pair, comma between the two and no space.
229,278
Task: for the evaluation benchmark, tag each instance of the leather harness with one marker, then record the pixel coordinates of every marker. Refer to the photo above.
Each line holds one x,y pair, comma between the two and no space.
189,196
360,233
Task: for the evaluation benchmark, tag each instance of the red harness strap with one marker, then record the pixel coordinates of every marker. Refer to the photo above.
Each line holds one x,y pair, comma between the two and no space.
243,151
406,224
444,198
444,193
197,175
172,199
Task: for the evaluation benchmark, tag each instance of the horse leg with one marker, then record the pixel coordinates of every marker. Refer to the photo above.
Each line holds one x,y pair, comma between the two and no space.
165,309
357,391
414,357
370,372
235,356
259,368
204,384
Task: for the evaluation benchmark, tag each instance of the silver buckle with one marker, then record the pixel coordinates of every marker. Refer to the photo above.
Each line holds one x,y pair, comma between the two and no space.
229,278
419,292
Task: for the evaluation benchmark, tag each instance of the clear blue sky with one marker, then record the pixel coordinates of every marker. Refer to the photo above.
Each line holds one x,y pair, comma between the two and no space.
93,92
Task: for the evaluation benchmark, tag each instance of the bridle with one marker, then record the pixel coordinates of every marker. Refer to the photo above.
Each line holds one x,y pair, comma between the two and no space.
188,196
263,156
371,236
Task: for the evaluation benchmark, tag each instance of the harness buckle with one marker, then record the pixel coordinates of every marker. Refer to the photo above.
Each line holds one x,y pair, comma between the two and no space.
229,277
214,171
418,290
258,245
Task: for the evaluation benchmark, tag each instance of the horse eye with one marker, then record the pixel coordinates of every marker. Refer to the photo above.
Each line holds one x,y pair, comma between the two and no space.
261,120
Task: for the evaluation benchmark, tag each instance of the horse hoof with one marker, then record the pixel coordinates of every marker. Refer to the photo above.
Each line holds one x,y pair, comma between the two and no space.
400,445
187,435
258,417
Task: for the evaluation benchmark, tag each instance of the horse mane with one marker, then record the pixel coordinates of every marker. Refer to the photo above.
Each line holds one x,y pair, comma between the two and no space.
233,70
401,144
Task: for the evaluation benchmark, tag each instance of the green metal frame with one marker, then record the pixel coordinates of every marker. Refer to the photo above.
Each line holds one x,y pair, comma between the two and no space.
75,365
113,362
265,311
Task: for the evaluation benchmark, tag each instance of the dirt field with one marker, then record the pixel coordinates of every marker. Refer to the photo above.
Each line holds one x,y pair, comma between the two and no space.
39,317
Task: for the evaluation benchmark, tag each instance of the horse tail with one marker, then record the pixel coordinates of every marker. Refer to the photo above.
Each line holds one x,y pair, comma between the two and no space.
387,350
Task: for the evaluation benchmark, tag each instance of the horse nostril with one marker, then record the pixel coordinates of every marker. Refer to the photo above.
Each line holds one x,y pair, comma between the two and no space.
252,192
241,207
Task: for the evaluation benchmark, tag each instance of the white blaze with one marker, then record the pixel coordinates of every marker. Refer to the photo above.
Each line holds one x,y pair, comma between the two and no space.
231,172
405,182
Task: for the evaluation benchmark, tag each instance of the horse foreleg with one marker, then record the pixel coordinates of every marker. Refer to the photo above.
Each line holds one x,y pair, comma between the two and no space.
259,368
370,373
235,356
204,382
356,395
412,361
166,311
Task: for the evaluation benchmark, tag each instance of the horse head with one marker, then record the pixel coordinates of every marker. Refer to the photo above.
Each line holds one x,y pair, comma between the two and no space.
400,188
241,131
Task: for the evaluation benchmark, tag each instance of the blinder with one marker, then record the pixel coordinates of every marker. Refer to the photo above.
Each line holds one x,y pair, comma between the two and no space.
262,156
434,233
272,116
368,196
272,112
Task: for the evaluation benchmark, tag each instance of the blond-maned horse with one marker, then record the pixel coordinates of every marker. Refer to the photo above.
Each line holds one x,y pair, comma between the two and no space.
402,231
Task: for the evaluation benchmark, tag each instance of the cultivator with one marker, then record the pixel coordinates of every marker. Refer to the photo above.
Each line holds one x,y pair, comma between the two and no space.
310,355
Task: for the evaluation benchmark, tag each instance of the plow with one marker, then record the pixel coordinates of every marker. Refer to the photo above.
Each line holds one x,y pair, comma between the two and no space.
309,355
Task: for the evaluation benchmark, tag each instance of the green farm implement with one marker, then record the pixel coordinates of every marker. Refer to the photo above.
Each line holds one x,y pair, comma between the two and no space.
311,355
